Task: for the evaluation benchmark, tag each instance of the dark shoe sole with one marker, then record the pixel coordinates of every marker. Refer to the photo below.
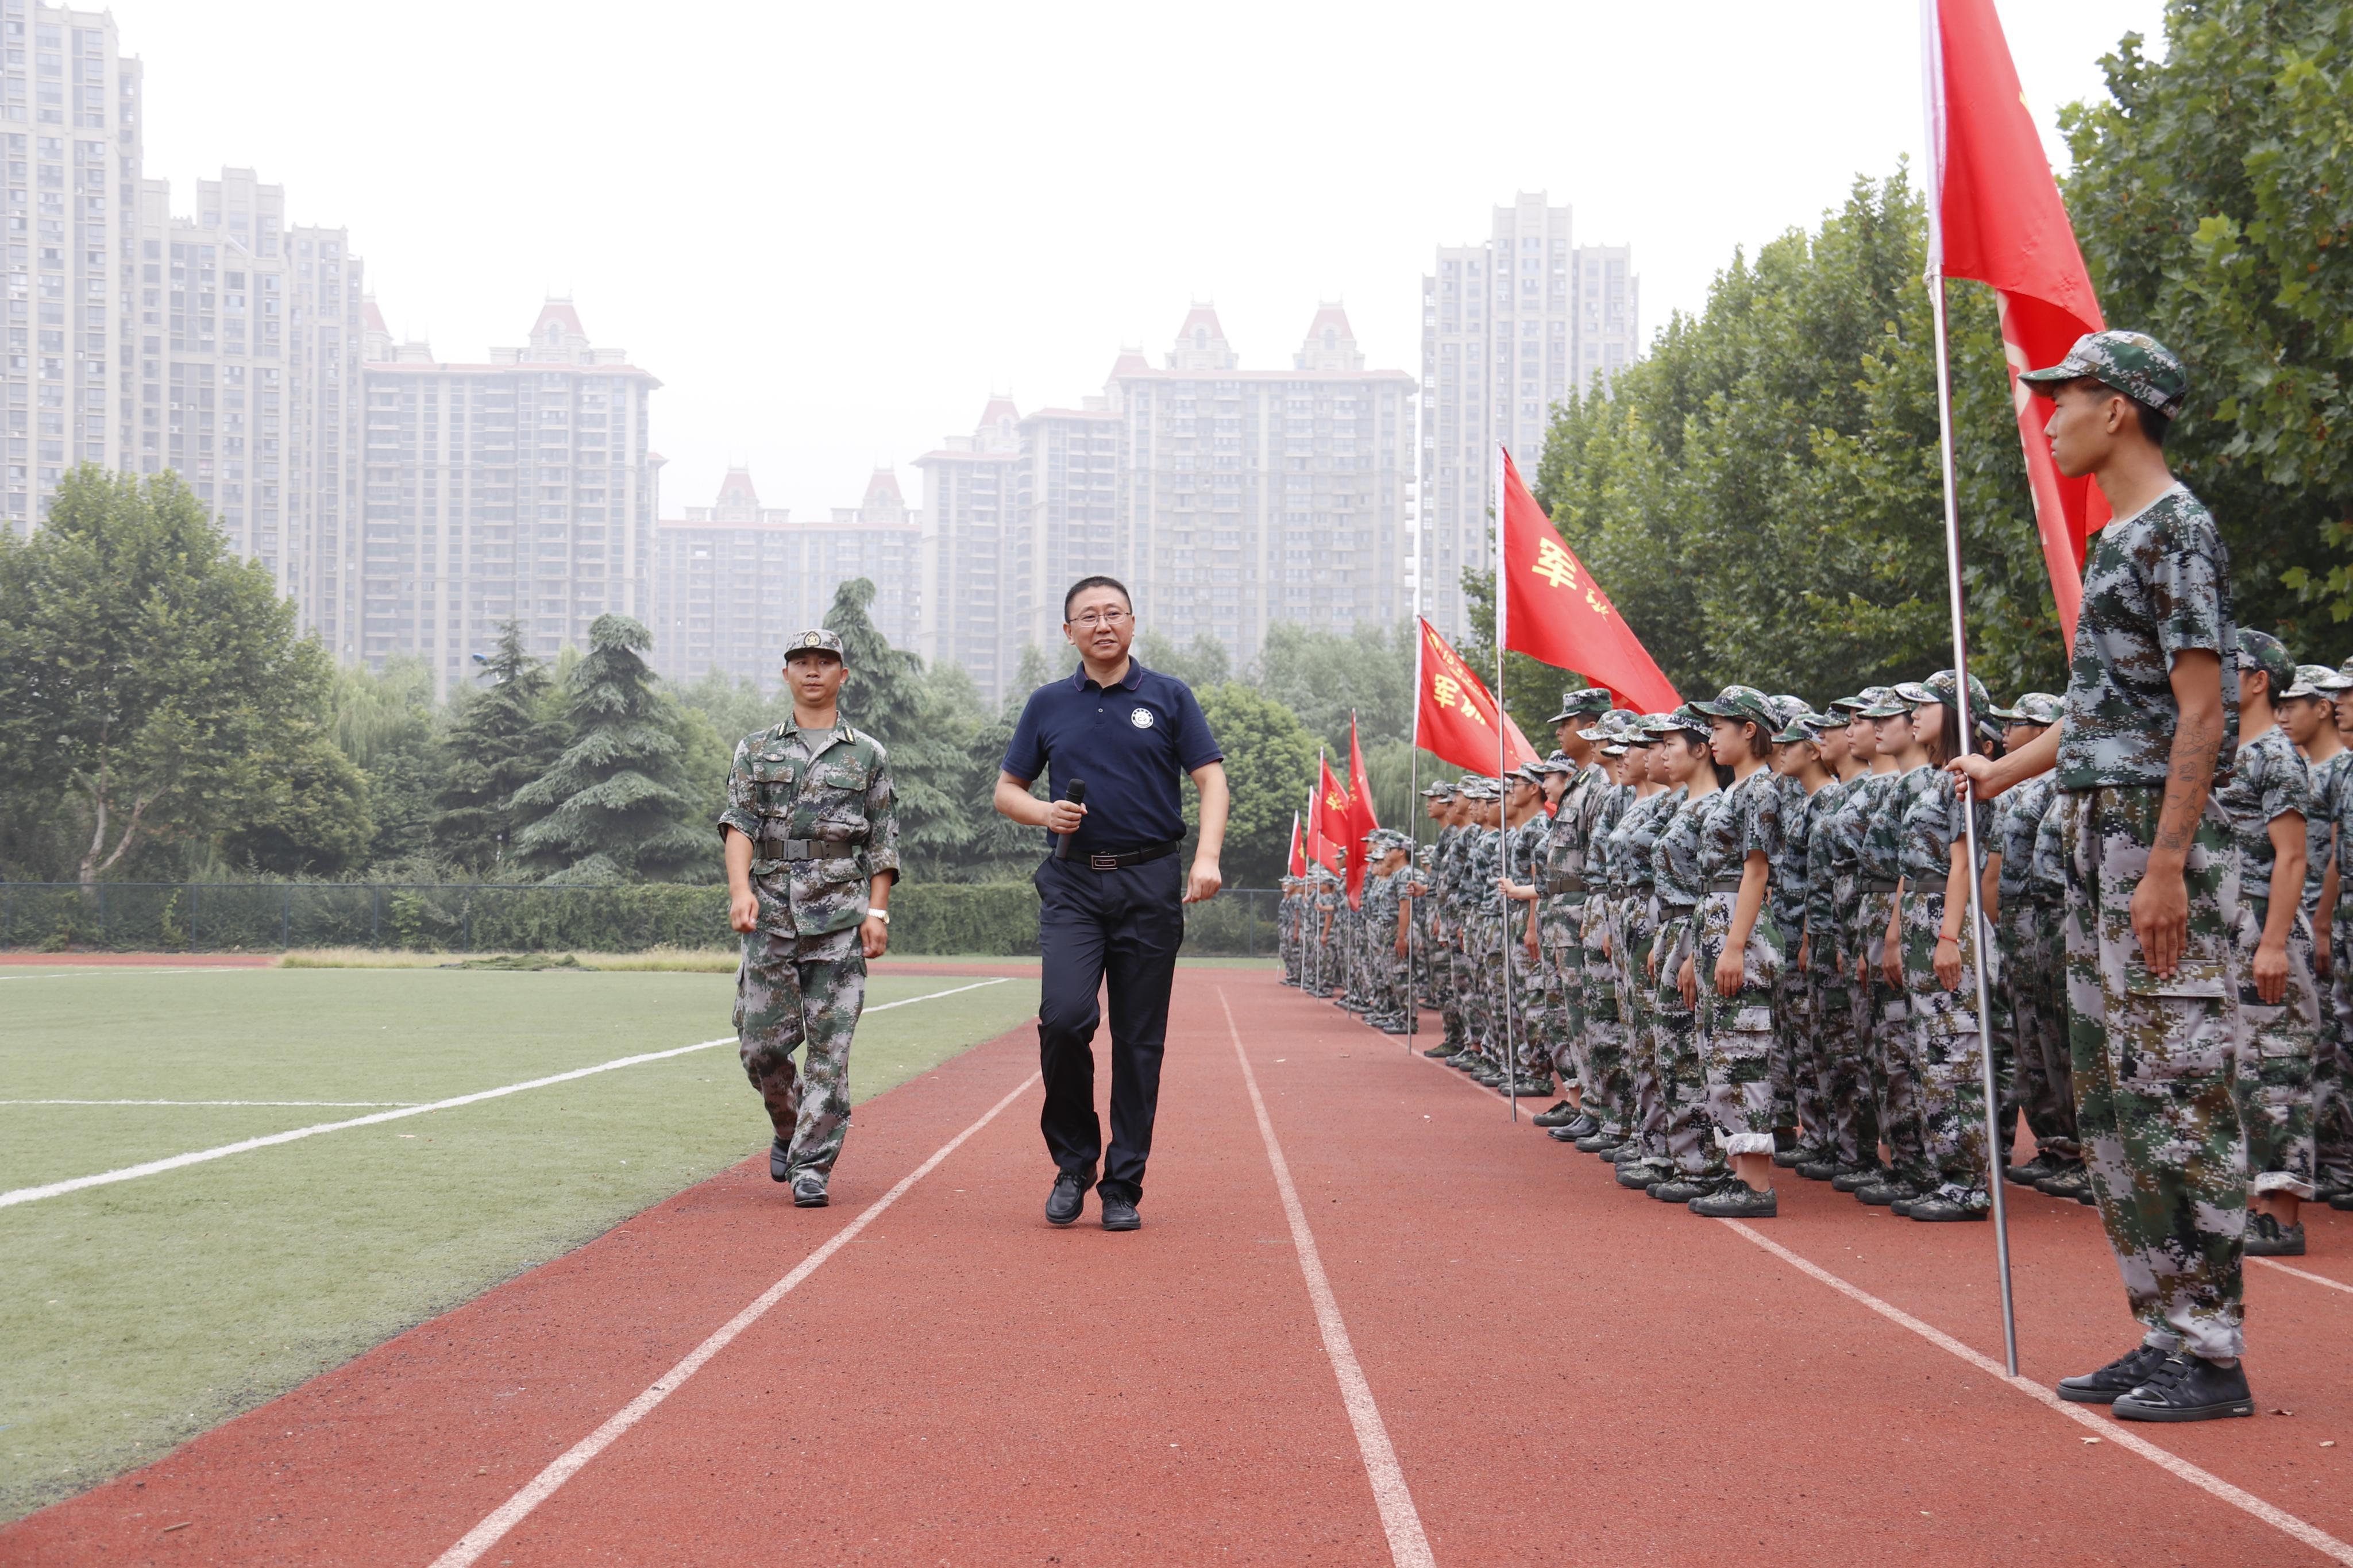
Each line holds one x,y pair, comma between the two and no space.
2280,1249
1641,1178
2126,1410
1135,1223
2089,1395
1061,1224
818,1202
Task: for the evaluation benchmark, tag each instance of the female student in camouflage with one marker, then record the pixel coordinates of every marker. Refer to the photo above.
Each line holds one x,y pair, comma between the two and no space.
1695,790
1883,1008
1644,1160
2031,1008
811,838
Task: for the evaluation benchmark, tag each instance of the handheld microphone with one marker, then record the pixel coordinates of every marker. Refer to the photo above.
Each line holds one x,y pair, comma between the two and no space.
1077,796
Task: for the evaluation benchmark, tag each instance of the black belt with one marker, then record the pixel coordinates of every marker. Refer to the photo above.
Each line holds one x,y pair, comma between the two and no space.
807,848
1725,885
1873,885
1134,856
1564,885
1670,909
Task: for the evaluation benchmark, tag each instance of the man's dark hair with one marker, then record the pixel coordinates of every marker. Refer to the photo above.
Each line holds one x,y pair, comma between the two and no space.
2153,423
1084,583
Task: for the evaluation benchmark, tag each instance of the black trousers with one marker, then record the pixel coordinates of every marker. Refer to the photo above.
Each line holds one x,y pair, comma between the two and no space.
1123,926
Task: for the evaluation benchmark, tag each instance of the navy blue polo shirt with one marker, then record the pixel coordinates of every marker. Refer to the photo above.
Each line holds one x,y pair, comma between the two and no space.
1130,742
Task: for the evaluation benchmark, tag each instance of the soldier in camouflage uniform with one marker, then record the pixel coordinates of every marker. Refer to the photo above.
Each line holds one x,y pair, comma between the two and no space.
1605,1121
2152,903
1694,795
1643,1160
2332,1113
811,840
1286,929
1527,830
2267,797
2307,711
1883,1008
1849,1123
1446,923
1482,937
1384,904
1582,790
1798,1050
2032,1012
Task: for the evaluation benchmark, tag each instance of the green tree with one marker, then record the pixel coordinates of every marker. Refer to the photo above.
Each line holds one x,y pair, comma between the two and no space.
502,737
923,724
1324,676
388,725
1269,767
2212,193
616,800
157,685
1204,662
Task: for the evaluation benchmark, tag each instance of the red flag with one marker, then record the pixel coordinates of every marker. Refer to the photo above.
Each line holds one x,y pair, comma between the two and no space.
1331,821
1298,855
1361,821
1554,611
1454,716
1994,214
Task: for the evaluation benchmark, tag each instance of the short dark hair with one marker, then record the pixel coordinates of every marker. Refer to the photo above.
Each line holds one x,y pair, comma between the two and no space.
2153,423
1084,583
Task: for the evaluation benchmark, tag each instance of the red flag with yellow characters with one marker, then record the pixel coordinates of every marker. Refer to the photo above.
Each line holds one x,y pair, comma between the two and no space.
1298,863
1329,827
1554,611
1454,719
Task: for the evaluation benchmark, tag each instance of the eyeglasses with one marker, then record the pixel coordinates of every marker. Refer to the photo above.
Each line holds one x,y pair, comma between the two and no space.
1093,618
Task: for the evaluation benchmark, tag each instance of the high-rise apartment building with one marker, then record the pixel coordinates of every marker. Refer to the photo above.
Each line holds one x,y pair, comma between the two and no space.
523,488
69,149
733,580
1509,326
1227,500
249,339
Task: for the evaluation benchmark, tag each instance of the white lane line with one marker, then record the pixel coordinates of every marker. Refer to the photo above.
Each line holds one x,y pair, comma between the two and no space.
516,1509
80,970
2109,1429
2315,1278
338,1103
199,1156
1408,1546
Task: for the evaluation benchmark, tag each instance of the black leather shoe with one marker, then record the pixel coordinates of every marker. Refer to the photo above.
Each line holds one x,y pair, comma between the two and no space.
1582,1125
2119,1377
2186,1388
1068,1196
1119,1213
1560,1113
1560,1135
778,1152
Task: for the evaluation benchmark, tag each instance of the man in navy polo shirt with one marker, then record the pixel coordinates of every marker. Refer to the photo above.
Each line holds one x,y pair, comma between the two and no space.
1113,901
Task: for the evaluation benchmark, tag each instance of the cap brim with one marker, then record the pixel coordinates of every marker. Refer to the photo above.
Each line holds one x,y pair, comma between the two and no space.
2066,370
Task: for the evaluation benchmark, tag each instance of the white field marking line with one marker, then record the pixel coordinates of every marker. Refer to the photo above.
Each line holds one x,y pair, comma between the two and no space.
322,1103
1408,1548
512,1512
199,1156
2109,1429
80,970
2315,1278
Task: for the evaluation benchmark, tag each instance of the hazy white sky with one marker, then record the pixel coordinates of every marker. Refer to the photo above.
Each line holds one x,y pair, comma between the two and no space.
833,230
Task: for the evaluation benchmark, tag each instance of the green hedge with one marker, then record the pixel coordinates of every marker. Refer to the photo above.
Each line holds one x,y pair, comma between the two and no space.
982,918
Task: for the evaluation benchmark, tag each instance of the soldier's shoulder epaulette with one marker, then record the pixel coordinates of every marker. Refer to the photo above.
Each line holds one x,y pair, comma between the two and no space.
860,737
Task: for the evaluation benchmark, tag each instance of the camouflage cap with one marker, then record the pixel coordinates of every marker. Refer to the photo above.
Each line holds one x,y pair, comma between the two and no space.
2261,650
1479,788
1558,762
1438,791
1944,687
1848,704
2133,362
1576,704
2318,680
1687,719
1837,717
816,641
1807,727
2034,708
1892,701
1786,709
1743,702
1529,774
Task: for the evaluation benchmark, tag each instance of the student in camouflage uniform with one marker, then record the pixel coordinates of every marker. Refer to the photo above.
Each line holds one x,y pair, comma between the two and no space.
2032,1010
1692,783
2332,1115
1644,1159
1584,790
1384,914
2266,797
2153,898
1852,1148
1604,1029
1324,919
811,839
1482,937
1446,922
1799,757
1882,1007
1286,929
1522,845
2306,711
1785,895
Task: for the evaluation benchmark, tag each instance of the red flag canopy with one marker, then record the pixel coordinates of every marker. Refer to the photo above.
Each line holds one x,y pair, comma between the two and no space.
1454,718
1361,821
1994,214
1298,864
1554,611
1331,821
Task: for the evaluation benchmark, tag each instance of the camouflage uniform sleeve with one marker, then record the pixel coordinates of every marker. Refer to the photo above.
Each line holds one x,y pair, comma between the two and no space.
1762,832
2185,586
742,813
1818,914
2287,786
882,816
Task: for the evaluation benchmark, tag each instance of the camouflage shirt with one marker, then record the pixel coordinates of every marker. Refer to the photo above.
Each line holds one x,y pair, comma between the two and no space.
1674,853
2046,883
2155,584
1481,866
1748,822
2269,781
1821,835
1880,845
2318,824
1789,883
2016,817
829,788
1569,847
1932,818
1634,838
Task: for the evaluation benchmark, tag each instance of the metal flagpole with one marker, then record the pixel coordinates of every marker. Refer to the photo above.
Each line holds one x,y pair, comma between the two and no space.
1503,812
1413,846
1969,825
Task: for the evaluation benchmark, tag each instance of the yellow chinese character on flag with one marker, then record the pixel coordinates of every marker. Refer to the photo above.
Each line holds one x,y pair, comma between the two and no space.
1555,565
1446,689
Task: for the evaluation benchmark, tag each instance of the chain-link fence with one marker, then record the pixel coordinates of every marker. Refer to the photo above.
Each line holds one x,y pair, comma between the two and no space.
988,918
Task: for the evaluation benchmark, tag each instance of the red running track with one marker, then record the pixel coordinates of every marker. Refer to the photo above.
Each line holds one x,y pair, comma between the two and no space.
1563,1369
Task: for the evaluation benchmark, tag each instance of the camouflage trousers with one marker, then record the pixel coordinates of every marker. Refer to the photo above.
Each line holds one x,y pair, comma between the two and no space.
1735,1032
1800,1069
1524,974
2276,1044
1479,970
1604,1050
1559,925
2035,1026
1881,1018
1683,1076
2332,1075
1631,955
1850,1111
1446,964
1946,1049
2155,1059
788,990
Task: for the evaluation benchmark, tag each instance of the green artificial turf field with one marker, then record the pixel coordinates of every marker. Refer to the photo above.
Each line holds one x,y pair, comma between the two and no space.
141,1313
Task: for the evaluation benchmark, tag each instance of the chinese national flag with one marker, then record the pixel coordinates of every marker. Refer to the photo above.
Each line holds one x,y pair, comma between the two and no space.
1994,214
1330,823
1298,855
1361,821
1454,718
1554,611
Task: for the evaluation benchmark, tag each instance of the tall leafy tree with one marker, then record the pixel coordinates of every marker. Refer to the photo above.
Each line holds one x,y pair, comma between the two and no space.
156,684
2214,196
925,725
1269,767
618,799
388,725
504,736
1324,676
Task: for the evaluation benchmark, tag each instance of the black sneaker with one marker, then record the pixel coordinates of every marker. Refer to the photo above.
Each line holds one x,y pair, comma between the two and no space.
808,1191
1735,1199
1786,1159
2266,1238
2341,1201
1679,1190
1560,1134
1441,1051
1821,1170
2033,1171
1582,1125
1855,1178
1639,1176
1560,1113
779,1170
1939,1209
1119,1213
1068,1196
2187,1388
1597,1141
2118,1378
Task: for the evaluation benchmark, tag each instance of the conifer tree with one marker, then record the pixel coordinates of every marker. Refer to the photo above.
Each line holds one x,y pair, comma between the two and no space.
503,739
